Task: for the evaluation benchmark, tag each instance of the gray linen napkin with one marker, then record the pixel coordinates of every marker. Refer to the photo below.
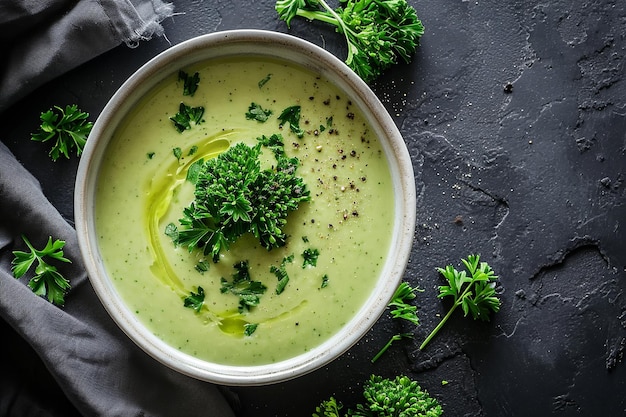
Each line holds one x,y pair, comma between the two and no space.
101,371
96,366
41,39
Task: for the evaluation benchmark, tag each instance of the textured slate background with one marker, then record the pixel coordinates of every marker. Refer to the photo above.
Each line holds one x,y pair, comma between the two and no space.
514,113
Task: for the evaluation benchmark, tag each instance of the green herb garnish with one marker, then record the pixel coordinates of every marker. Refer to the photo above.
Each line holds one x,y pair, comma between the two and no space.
328,408
68,127
324,281
194,171
171,231
248,291
186,115
310,257
235,196
178,153
202,266
281,274
256,112
190,82
291,115
195,300
383,397
378,32
249,328
401,309
265,80
47,280
474,293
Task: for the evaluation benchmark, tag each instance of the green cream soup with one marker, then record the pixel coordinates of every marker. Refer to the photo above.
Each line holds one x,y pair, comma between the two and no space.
142,188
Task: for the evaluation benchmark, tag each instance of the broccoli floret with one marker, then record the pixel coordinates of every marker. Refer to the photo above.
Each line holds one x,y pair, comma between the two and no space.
328,408
398,397
234,196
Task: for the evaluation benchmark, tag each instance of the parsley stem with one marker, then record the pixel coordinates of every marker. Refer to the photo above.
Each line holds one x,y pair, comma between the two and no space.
457,303
440,325
388,345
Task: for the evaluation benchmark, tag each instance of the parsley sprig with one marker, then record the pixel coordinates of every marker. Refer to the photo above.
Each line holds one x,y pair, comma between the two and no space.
473,290
68,128
401,309
378,32
47,280
291,115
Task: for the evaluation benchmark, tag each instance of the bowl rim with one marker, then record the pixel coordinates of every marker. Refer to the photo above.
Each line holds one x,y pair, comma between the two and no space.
291,48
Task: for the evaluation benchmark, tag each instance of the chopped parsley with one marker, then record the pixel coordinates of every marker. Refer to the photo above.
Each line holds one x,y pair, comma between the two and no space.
310,257
291,115
256,112
190,82
248,291
249,328
265,80
195,300
202,266
324,281
186,115
281,274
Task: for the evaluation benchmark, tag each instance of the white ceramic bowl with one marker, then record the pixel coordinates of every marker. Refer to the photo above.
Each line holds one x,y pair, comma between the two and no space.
298,52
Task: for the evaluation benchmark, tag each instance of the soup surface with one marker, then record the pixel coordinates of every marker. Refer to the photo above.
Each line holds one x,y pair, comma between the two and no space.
142,188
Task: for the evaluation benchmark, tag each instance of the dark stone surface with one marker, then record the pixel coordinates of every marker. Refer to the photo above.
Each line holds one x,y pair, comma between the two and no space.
514,113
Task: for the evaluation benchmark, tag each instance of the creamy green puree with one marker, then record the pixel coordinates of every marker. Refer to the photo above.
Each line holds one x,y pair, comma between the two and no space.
142,189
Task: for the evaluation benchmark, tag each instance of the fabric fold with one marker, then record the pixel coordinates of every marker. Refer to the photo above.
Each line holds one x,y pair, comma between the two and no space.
46,38
99,368
83,352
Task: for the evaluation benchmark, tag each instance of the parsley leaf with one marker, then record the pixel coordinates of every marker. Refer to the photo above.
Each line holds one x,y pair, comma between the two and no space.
202,266
256,112
401,309
474,293
249,328
47,280
194,171
291,115
324,281
68,127
248,291
195,300
310,257
178,153
186,115
190,82
281,274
